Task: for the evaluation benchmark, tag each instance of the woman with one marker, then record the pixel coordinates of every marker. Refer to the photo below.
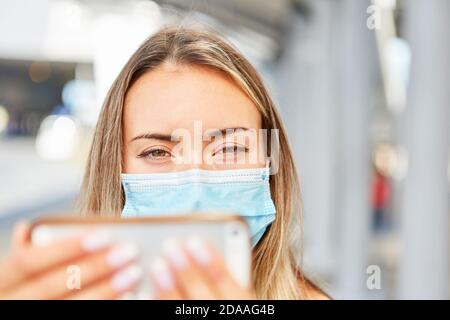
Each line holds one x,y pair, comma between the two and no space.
178,77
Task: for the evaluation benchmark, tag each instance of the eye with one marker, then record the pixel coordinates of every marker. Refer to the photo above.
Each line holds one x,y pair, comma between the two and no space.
157,154
230,149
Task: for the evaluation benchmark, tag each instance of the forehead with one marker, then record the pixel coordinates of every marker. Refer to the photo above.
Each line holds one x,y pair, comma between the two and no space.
172,97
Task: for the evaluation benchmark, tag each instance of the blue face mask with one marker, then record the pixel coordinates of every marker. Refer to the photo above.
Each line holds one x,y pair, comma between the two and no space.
244,191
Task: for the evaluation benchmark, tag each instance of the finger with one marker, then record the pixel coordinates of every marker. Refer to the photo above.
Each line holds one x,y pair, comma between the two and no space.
21,235
113,287
164,286
33,260
101,265
78,274
188,278
211,264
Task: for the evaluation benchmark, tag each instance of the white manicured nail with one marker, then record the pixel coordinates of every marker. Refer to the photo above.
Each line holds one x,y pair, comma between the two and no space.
161,274
96,240
122,254
126,278
199,250
174,252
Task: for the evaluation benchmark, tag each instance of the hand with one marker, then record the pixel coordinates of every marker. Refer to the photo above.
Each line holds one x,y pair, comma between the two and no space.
194,271
41,272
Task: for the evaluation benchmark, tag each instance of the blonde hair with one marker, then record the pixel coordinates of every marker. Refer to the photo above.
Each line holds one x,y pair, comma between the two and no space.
275,272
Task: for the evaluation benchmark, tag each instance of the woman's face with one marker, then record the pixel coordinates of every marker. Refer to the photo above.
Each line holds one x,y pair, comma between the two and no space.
184,117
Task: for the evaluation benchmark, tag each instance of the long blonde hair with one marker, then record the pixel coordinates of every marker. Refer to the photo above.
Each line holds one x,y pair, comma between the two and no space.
275,272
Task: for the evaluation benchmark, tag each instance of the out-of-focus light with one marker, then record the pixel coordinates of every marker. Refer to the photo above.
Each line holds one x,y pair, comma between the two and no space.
79,96
391,4
399,56
39,71
65,126
57,138
398,61
4,118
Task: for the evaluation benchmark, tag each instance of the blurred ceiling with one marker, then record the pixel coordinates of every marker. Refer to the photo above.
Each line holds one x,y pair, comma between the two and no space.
40,29
268,17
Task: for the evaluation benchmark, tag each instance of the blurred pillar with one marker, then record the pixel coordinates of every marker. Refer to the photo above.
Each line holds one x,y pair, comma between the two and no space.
306,95
325,94
357,63
424,263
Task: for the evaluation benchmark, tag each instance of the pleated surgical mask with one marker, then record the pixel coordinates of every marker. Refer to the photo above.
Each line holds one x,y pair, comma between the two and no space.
243,191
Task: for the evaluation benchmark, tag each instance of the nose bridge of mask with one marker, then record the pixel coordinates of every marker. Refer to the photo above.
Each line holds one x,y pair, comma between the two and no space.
142,182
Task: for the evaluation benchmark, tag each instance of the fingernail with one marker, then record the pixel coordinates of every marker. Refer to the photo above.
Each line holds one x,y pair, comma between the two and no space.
199,250
96,240
122,254
161,274
175,254
126,278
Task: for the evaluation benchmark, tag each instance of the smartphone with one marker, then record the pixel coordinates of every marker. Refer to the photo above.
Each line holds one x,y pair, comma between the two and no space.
228,233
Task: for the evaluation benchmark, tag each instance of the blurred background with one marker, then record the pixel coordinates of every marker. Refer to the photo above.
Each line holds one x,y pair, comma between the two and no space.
363,86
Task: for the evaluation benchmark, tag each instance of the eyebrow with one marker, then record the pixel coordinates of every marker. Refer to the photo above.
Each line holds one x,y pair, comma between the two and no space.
155,136
224,131
168,137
